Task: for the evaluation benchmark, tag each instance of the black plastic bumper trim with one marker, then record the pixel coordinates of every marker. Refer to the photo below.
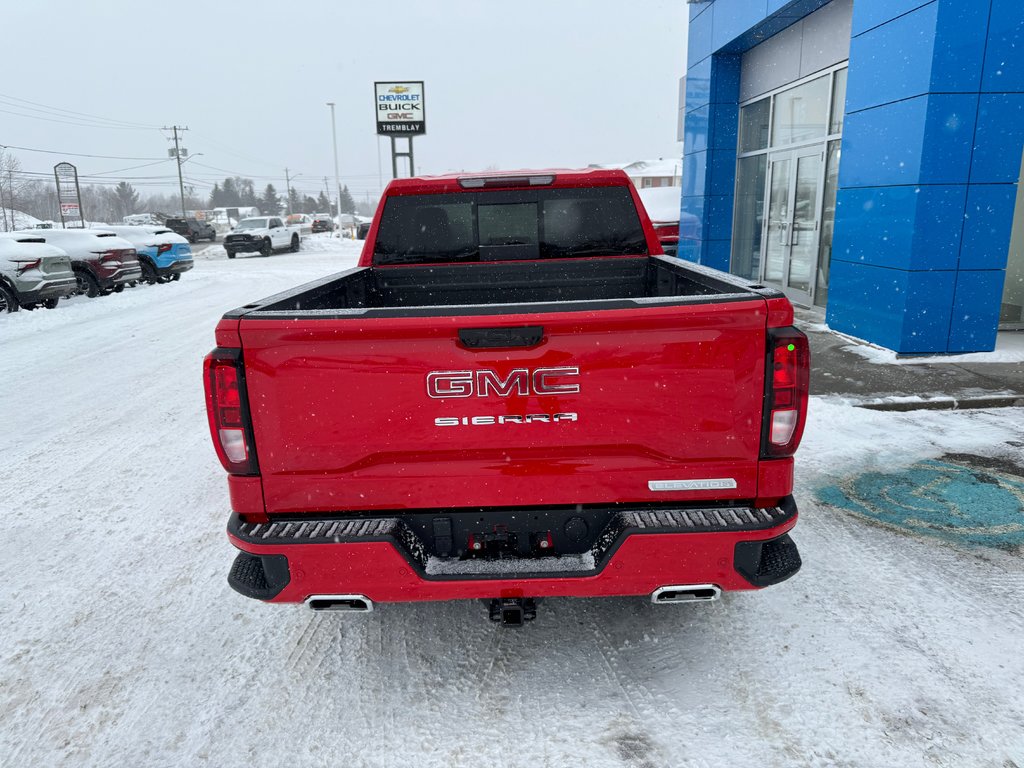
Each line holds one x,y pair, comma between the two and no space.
621,525
259,576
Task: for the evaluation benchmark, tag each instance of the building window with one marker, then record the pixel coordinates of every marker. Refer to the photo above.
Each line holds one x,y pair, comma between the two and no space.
754,125
746,236
838,102
828,222
801,113
786,182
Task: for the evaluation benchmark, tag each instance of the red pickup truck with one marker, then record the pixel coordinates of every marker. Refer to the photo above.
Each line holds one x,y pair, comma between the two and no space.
514,396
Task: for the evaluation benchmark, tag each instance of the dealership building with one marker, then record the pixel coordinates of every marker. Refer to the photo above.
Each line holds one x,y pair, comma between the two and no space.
863,155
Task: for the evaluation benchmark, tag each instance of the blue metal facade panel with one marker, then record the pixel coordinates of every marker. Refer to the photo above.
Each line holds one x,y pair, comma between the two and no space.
931,152
923,140
1004,60
900,227
975,315
1000,136
868,15
987,224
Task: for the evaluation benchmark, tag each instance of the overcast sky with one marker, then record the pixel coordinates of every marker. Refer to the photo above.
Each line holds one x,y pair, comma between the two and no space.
530,83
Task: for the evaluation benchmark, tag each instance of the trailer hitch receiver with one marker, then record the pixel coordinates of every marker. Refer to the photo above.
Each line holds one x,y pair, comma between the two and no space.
512,611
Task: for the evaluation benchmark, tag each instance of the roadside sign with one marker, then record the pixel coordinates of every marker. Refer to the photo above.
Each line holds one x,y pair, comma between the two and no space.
399,108
69,196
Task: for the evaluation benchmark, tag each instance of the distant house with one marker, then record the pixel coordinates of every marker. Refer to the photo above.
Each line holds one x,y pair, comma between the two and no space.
650,173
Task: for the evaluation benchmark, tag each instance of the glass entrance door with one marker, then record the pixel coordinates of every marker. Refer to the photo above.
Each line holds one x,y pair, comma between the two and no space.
792,223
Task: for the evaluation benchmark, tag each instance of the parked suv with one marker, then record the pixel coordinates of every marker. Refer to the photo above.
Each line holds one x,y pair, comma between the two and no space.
193,230
323,223
163,254
33,273
102,261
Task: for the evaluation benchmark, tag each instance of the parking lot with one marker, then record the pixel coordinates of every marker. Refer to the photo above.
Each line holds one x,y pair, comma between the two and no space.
895,645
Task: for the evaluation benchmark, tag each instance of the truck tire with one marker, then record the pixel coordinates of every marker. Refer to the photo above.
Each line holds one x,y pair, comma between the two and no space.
294,248
87,285
8,302
192,238
267,248
230,253
51,303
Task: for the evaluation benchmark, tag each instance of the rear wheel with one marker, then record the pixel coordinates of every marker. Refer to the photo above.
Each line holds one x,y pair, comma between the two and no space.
8,303
267,248
192,238
148,273
87,285
51,303
118,288
231,254
294,248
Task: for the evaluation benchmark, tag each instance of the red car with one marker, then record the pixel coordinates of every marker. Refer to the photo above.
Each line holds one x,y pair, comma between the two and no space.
514,396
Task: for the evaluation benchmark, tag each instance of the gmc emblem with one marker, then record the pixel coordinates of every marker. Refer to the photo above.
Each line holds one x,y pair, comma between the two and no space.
518,381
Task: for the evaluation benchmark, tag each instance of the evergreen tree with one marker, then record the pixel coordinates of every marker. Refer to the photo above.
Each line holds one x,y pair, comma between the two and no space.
126,199
323,204
246,191
348,205
294,201
216,196
270,203
229,194
309,204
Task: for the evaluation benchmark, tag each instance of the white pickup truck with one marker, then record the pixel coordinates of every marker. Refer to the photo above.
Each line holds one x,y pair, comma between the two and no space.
262,234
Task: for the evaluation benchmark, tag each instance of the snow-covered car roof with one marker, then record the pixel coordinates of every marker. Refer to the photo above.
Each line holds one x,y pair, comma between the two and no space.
146,234
13,248
74,240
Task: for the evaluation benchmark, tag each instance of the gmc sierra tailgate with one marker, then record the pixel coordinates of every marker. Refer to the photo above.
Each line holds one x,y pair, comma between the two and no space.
653,403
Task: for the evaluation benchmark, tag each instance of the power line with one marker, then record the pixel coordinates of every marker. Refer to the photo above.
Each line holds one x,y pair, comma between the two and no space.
75,123
126,123
76,154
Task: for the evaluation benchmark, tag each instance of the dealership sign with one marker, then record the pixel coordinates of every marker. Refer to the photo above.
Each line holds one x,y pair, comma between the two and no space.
400,108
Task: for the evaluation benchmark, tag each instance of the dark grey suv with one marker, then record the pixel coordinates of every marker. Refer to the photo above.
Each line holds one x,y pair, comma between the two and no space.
192,229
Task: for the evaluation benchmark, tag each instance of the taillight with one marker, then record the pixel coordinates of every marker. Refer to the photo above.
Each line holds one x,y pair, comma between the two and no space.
785,402
228,410
24,265
163,248
106,256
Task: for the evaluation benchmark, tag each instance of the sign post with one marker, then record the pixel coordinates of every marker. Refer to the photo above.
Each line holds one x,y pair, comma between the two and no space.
69,196
400,114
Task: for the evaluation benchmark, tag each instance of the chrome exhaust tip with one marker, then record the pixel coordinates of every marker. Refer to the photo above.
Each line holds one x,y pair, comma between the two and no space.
348,603
686,593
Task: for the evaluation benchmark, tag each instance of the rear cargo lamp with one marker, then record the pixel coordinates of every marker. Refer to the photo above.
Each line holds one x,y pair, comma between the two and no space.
486,182
228,412
785,405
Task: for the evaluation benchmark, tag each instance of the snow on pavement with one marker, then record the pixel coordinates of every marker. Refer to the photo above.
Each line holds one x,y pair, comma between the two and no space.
123,645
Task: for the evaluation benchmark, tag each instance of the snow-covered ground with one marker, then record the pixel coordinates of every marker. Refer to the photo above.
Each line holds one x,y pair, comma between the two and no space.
122,644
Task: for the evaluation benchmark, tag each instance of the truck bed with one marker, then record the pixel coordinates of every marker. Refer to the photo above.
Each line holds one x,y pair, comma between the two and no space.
491,288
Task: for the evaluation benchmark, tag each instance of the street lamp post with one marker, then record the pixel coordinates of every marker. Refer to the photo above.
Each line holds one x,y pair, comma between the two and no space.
337,181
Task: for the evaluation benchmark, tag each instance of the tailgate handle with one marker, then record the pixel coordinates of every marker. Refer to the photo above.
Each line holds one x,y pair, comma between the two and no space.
496,338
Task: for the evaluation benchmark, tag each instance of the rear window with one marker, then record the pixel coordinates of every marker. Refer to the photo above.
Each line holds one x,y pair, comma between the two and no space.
508,225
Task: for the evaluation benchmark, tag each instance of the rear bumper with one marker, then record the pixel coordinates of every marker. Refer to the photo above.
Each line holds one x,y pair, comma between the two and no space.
638,552
51,289
175,268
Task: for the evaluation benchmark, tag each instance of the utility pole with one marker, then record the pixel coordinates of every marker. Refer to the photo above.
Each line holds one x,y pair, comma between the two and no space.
288,189
177,157
337,181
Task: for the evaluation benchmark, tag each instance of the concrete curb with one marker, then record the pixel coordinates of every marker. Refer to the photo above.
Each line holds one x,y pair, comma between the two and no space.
952,404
